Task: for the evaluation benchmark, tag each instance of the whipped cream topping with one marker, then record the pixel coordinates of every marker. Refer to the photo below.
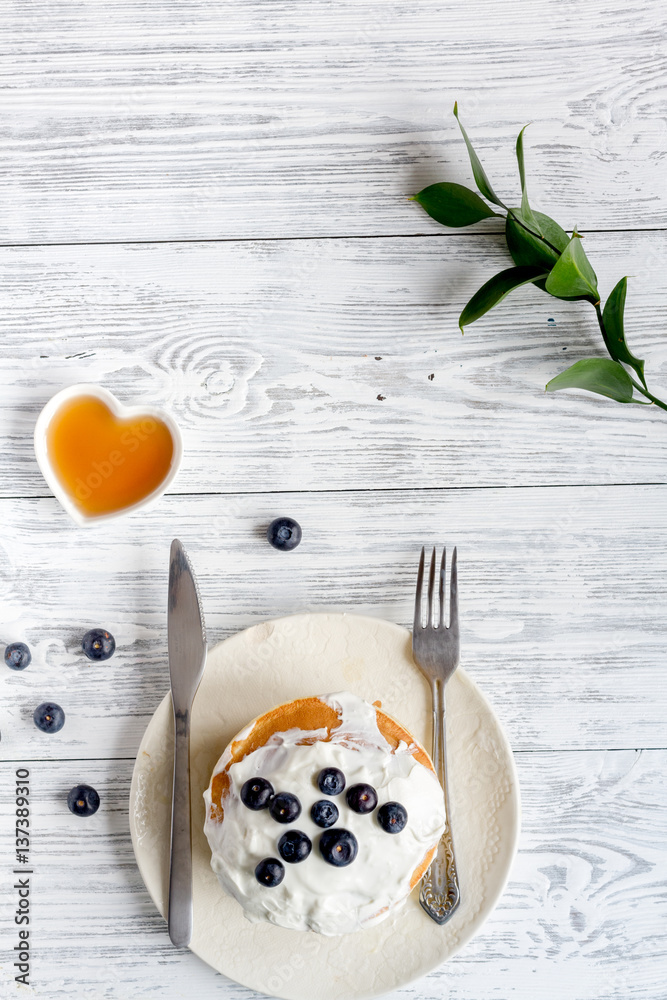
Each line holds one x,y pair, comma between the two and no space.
315,895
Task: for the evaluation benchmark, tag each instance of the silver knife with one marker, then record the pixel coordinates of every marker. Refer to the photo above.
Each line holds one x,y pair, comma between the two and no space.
187,656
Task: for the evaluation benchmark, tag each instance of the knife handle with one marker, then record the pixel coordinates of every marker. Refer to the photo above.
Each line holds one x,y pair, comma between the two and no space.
180,874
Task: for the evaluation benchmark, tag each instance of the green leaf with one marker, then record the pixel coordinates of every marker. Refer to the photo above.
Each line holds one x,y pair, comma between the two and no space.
572,276
600,375
495,290
453,205
481,180
613,329
526,210
527,248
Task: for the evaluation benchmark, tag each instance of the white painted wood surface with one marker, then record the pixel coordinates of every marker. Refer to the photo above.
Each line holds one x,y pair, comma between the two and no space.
237,176
563,624
273,356
583,915
132,121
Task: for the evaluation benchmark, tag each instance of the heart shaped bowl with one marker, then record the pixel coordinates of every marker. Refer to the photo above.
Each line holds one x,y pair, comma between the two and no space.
121,413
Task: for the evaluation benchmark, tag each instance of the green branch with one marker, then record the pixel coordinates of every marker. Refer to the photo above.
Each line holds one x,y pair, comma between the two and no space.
544,255
538,236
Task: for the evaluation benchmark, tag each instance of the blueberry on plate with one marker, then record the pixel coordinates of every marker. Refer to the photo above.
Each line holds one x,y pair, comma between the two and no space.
338,847
49,717
392,817
83,800
98,644
17,655
324,813
362,798
331,781
270,872
284,533
256,793
285,807
294,846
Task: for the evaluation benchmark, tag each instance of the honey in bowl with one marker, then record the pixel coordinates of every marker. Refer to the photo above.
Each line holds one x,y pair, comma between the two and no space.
103,462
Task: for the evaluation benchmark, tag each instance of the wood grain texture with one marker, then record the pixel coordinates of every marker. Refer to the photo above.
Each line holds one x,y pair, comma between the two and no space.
583,914
333,364
562,601
326,378
199,120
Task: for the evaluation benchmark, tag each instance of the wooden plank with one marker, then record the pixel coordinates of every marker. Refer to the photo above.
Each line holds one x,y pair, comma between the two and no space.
563,601
218,121
583,914
333,364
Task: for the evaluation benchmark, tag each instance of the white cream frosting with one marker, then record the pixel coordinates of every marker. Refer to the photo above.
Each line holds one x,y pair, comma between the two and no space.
315,895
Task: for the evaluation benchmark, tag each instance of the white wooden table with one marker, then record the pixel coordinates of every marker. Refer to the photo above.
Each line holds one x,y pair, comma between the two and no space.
205,206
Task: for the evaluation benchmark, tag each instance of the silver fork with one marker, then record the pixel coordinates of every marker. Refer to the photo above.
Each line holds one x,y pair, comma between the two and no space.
435,649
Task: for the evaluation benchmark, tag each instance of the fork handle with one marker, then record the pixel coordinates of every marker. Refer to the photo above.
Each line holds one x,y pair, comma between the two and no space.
440,894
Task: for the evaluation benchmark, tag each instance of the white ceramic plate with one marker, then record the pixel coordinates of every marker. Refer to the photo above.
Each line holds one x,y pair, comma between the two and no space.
314,654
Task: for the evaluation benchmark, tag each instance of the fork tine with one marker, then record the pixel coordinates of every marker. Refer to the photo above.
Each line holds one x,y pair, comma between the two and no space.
431,588
453,595
418,620
441,588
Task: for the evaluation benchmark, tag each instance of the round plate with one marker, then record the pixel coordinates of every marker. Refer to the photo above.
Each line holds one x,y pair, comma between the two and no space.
313,654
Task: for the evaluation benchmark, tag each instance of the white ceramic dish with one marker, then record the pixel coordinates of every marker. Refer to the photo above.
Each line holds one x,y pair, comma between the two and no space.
120,411
313,654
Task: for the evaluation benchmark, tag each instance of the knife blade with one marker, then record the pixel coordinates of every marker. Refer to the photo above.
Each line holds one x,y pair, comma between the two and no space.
186,636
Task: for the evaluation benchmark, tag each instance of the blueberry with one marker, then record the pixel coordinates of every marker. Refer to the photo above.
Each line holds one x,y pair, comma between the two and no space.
17,655
294,846
284,533
392,817
83,800
331,781
270,872
49,717
285,807
256,793
362,798
98,644
338,847
324,813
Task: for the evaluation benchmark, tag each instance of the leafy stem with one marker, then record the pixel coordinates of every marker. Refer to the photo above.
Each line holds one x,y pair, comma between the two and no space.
649,395
544,255
538,236
643,388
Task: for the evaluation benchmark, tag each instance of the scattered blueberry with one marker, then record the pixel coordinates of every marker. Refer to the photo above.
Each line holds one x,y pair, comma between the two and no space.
294,846
285,807
331,781
83,800
392,817
362,798
270,872
256,793
49,717
98,644
338,847
17,655
284,533
324,813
